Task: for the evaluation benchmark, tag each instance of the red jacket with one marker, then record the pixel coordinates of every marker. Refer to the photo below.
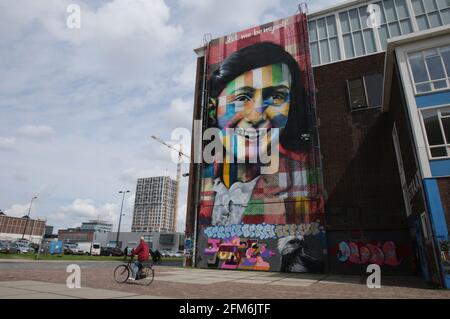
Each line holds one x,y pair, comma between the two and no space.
141,251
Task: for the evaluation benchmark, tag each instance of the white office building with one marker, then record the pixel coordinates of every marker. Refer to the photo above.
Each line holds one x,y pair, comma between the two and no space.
154,206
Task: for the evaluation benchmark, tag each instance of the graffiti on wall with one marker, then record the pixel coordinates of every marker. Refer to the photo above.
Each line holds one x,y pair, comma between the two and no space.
237,253
261,101
444,247
263,231
387,253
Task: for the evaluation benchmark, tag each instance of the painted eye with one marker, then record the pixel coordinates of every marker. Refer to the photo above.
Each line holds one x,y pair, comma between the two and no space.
278,98
243,98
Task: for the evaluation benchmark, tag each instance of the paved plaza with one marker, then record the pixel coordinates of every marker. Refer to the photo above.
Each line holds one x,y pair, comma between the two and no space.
47,280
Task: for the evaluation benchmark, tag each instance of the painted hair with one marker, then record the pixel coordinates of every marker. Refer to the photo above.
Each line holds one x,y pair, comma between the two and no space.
256,56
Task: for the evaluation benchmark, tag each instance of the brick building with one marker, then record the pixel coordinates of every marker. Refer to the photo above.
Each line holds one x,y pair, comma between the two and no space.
384,204
12,228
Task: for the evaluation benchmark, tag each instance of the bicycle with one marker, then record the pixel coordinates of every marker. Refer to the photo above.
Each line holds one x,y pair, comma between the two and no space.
145,275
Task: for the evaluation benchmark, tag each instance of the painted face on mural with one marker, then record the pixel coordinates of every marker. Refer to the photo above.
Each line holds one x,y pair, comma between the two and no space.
256,106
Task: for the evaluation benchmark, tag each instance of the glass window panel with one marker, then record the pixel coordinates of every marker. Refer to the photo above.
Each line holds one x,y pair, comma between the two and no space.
359,43
332,30
315,53
348,46
322,29
384,35
354,20
422,22
418,69
334,48
446,125
402,9
445,14
440,85
432,127
406,26
445,53
430,5
345,24
435,67
369,39
383,16
423,88
418,7
438,152
435,19
357,94
390,11
324,51
443,4
312,31
374,88
394,29
364,15
445,112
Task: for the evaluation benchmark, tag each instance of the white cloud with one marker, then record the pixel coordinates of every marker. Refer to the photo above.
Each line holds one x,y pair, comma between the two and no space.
232,13
82,210
179,113
7,143
37,132
18,210
186,79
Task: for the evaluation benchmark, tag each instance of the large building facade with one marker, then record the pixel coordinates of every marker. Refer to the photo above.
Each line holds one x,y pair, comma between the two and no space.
154,206
367,200
12,228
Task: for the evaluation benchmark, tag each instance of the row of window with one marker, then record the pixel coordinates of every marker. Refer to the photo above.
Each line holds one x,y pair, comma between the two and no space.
352,33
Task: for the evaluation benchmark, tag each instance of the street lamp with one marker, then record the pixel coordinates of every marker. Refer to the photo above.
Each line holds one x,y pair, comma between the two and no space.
120,217
28,217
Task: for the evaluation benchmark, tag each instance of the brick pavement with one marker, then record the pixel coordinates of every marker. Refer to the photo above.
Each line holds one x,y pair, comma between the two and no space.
173,282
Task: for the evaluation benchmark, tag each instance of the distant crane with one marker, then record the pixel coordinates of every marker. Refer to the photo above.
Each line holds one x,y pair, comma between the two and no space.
178,179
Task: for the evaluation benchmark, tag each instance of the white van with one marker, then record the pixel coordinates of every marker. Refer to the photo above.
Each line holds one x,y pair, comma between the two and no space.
84,248
95,251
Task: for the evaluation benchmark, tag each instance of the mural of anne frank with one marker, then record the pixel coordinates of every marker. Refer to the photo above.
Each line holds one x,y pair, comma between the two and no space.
258,102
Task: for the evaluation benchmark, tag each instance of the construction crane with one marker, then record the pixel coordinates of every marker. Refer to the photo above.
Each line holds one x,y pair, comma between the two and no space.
178,179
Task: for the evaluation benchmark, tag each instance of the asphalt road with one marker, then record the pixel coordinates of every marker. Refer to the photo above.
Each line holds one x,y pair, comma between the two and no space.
9,265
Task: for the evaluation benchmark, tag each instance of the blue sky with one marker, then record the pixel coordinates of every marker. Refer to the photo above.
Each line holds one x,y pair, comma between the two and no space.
78,106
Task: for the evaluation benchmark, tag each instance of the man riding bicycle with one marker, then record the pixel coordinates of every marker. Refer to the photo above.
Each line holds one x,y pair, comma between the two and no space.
143,254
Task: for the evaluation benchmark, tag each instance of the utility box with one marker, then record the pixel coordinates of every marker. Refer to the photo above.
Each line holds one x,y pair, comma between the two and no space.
56,247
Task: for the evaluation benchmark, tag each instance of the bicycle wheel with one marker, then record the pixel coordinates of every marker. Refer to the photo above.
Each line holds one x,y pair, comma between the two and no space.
121,273
149,274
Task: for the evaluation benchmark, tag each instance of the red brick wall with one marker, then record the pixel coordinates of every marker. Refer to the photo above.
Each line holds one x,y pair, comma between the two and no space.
359,165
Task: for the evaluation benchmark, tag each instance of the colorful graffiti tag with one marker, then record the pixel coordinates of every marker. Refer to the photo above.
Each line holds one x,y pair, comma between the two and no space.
238,253
262,231
371,253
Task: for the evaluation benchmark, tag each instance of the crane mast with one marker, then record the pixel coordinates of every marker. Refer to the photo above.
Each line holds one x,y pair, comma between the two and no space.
178,178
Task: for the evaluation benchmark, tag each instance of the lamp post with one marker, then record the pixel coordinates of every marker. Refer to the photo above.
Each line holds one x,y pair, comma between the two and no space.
28,217
120,217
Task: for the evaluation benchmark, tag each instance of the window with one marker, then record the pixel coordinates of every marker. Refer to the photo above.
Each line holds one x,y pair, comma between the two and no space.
358,38
395,20
431,13
365,92
430,69
436,122
324,41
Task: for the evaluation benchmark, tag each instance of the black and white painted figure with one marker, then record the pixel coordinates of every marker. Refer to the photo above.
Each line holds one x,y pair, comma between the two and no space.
294,258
